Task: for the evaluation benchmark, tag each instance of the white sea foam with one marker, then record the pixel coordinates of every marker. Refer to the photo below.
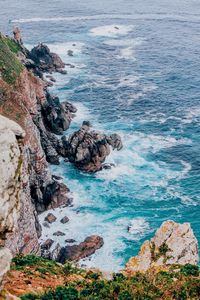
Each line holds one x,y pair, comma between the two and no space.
125,42
191,115
129,81
145,89
138,16
63,48
127,53
138,227
111,30
115,172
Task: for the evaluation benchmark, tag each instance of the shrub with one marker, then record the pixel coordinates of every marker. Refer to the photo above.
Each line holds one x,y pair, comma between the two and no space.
125,295
29,297
189,269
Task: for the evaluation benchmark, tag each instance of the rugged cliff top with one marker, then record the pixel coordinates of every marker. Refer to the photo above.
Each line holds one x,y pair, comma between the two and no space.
36,278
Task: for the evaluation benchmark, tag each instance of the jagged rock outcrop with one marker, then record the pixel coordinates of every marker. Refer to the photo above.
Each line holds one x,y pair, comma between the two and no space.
21,99
88,149
173,243
45,60
57,116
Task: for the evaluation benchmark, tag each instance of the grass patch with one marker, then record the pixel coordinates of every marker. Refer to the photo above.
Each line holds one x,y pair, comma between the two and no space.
40,264
10,66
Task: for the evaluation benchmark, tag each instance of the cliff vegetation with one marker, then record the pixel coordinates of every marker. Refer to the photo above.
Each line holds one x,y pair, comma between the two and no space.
35,278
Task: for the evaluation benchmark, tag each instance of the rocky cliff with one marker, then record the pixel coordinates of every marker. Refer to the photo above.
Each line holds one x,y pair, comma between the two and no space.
22,97
31,120
173,243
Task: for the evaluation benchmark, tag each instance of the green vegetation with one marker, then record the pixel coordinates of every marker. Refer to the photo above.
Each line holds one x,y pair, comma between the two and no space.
178,282
162,251
41,265
13,46
10,66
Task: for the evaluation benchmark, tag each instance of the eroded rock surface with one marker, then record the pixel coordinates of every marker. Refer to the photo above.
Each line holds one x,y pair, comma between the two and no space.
84,249
173,243
88,149
45,60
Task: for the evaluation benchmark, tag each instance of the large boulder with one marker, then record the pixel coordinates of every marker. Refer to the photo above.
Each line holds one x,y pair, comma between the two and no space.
88,149
173,243
84,249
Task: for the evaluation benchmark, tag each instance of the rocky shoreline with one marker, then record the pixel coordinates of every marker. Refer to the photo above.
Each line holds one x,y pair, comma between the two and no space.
32,136
44,120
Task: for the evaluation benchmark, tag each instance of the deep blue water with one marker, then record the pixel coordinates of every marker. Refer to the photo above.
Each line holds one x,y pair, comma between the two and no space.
141,80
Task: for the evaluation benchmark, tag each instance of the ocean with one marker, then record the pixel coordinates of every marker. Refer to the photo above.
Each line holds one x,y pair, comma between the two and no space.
135,72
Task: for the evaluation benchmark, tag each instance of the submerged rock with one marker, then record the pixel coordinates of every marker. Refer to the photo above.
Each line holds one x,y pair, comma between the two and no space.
70,241
59,233
84,249
64,220
173,243
70,52
88,149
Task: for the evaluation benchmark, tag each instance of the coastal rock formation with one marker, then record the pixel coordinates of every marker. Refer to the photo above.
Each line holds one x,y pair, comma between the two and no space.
173,243
88,149
57,116
45,60
84,249
21,99
18,221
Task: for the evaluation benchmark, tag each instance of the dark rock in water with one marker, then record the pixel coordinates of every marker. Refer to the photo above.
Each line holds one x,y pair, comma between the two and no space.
64,220
70,65
57,116
59,233
70,241
56,177
50,218
56,195
51,78
45,60
84,249
70,52
53,195
63,72
47,244
88,149
107,166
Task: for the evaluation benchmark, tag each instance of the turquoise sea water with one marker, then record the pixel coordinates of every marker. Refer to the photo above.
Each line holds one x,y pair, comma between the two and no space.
136,73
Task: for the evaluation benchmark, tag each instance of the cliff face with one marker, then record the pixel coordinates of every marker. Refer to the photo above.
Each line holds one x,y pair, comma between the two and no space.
15,204
22,96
